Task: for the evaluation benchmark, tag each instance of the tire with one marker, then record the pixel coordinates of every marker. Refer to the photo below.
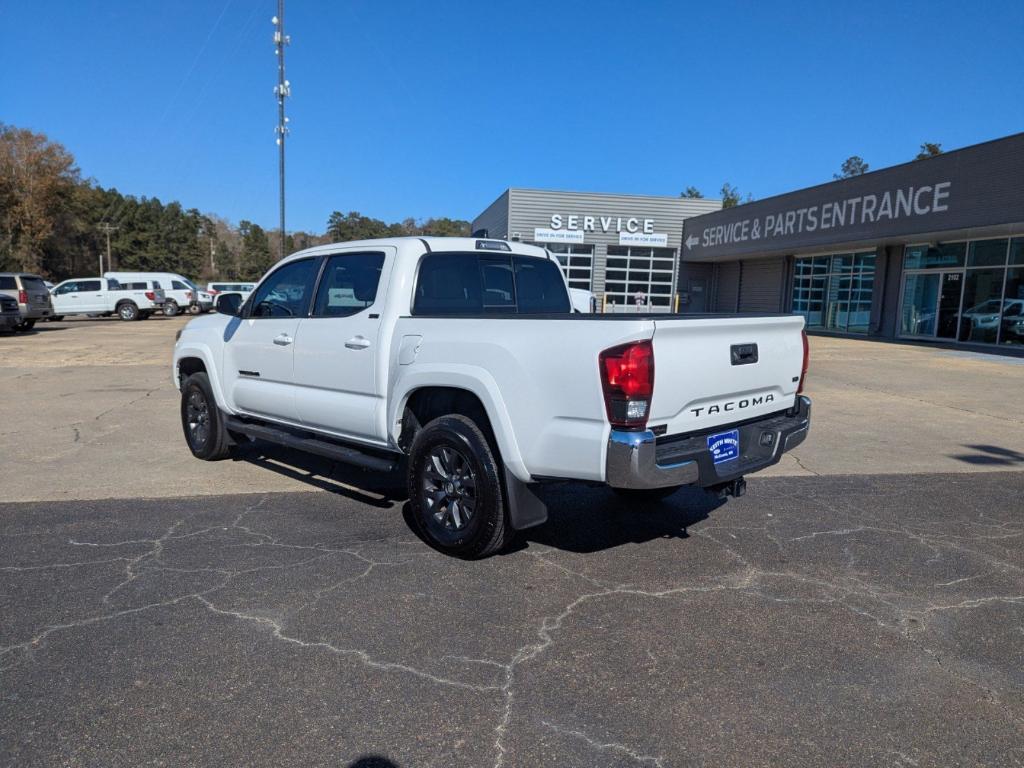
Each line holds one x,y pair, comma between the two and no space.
456,495
202,421
56,318
646,495
26,325
144,315
194,309
171,308
128,311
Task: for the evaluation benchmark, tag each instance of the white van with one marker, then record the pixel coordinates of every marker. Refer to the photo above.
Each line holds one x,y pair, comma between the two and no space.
182,294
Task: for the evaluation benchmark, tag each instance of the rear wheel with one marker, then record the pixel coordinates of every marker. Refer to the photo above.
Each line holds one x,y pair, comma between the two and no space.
56,318
128,311
26,325
202,421
455,489
171,308
646,495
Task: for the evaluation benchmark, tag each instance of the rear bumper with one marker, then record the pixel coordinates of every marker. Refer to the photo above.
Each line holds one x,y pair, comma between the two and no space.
34,311
642,460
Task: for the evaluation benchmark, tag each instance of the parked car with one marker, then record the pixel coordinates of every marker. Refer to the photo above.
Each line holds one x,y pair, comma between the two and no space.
10,317
461,358
583,301
31,294
103,297
243,288
181,293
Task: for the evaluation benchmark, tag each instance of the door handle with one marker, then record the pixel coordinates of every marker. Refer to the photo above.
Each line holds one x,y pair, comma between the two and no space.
357,342
283,340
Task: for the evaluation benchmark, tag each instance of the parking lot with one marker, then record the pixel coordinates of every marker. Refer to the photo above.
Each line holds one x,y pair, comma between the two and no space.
862,605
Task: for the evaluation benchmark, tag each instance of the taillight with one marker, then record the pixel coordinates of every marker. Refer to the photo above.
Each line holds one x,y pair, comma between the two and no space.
23,296
627,378
807,360
151,295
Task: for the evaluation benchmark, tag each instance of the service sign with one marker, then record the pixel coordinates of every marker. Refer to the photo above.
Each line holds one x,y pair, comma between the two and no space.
972,187
640,238
557,236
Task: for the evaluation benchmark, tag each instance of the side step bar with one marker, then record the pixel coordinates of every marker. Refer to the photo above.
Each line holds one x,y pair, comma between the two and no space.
321,447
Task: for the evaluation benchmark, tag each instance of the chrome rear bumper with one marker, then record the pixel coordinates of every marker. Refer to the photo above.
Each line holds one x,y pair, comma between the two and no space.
643,460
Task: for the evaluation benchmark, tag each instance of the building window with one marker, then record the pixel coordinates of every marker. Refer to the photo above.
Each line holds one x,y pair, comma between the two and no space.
644,273
577,262
971,291
834,292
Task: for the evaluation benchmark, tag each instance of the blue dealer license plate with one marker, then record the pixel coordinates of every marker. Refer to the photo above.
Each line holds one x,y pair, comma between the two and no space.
725,446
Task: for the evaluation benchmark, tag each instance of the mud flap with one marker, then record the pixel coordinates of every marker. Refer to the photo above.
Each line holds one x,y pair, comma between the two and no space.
525,508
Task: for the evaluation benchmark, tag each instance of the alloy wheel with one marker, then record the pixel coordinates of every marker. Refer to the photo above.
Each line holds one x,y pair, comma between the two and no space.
449,488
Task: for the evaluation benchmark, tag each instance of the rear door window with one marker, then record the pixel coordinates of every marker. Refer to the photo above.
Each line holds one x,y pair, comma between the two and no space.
89,285
349,284
449,284
474,284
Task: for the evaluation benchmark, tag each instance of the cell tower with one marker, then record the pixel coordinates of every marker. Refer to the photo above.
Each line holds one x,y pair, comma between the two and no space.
282,90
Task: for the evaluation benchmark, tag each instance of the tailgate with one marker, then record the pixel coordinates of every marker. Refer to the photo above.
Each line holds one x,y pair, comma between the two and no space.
705,373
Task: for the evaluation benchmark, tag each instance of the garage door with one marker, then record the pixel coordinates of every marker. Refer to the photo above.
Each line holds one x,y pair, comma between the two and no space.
761,285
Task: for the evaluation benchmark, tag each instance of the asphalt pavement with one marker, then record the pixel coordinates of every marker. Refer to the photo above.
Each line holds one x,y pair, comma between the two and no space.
835,620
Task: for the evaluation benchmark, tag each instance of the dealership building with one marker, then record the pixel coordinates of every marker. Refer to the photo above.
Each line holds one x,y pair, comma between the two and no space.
624,248
931,250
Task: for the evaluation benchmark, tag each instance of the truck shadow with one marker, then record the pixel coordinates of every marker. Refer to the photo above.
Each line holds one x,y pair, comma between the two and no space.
374,488
586,519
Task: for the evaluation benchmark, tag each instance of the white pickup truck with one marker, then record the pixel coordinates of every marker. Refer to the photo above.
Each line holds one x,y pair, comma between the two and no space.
461,360
105,296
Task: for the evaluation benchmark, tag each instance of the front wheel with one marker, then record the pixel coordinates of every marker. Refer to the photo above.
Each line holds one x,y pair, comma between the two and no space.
56,318
646,495
201,420
194,309
26,325
171,308
455,489
128,311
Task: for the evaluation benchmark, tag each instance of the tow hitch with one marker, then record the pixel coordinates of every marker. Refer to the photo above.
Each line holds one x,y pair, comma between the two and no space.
735,488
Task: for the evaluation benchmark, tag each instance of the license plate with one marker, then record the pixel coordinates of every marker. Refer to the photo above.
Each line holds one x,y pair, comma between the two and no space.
725,446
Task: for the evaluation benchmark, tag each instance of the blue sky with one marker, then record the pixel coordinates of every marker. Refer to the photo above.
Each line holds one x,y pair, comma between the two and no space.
432,109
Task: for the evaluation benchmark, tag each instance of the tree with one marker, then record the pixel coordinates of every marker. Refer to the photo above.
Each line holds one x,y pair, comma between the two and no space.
730,196
37,181
928,149
445,227
854,165
693,193
255,257
354,226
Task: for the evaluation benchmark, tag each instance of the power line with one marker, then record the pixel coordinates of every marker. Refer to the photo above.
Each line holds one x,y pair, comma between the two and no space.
282,90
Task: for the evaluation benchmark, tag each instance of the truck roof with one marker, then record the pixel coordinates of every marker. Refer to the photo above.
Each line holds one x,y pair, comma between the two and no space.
433,243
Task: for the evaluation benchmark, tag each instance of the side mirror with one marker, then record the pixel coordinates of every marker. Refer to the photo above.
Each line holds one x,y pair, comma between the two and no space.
229,303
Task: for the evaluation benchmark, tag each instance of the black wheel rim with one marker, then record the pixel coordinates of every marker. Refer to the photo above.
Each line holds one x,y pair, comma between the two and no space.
197,417
448,491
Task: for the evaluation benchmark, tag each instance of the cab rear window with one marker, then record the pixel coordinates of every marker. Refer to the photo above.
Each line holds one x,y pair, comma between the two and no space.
478,284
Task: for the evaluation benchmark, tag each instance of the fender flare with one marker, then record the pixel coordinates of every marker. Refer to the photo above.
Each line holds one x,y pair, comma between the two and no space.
476,381
204,353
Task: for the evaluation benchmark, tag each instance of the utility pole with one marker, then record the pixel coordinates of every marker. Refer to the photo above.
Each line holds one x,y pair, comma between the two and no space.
107,228
282,90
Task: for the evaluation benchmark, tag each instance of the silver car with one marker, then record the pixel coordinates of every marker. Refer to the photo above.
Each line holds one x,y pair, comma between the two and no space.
31,294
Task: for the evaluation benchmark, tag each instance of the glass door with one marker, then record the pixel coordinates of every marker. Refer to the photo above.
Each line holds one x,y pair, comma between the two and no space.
949,305
920,302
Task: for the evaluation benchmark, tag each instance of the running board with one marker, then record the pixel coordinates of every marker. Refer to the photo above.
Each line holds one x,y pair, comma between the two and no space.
318,446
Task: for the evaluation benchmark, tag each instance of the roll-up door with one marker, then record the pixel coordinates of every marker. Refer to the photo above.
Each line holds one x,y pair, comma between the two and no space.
761,285
727,292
